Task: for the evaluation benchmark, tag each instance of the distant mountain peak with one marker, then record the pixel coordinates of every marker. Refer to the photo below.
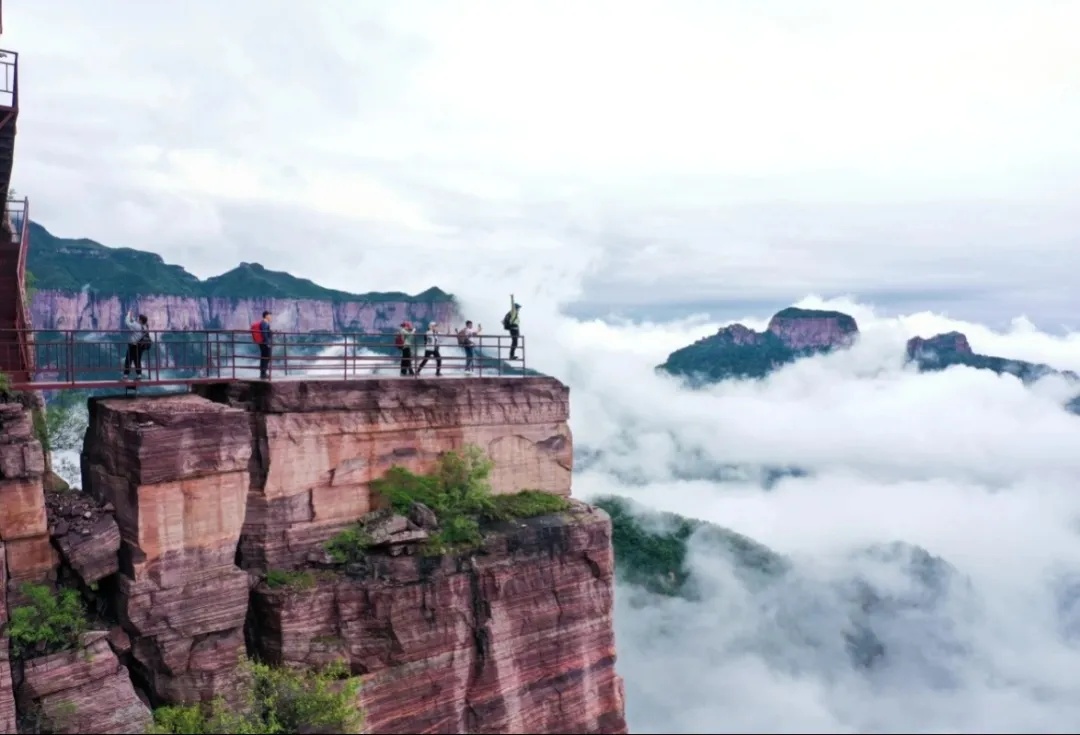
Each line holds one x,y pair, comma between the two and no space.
69,265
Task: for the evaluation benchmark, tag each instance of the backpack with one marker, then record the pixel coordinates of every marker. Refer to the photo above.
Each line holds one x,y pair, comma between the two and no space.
399,340
144,339
256,333
462,338
506,321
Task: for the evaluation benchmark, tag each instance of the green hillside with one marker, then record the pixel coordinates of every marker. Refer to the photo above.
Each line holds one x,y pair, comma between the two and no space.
63,264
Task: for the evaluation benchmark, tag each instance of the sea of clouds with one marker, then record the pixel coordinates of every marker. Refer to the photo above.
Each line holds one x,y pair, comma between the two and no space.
977,475
972,468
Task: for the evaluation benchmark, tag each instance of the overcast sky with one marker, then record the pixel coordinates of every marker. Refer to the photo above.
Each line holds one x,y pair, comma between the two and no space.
753,151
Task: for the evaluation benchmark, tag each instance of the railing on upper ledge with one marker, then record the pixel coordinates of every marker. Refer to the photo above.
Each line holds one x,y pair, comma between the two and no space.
9,80
17,221
89,359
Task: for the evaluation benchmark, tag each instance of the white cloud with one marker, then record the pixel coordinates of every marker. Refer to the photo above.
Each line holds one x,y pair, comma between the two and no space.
972,467
688,150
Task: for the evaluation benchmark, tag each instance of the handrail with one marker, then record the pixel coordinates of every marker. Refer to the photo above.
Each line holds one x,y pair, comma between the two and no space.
23,312
9,87
90,359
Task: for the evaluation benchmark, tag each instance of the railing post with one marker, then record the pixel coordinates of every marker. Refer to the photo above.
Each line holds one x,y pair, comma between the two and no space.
71,356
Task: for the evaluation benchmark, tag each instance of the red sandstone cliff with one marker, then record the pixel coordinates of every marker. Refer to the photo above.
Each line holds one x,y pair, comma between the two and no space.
514,637
83,691
86,310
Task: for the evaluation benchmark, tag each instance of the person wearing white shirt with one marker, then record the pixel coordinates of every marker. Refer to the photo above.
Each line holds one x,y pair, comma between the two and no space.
431,349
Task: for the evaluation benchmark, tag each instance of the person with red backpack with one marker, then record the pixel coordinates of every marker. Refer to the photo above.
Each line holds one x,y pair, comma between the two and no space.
404,342
263,336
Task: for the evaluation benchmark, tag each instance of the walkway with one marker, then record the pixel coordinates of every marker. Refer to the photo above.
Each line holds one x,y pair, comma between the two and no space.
88,360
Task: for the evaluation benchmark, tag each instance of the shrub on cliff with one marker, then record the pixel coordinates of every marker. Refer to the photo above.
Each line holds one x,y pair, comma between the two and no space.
275,700
460,495
50,622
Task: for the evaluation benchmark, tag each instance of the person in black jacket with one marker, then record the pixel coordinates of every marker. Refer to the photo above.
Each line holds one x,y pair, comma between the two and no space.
266,346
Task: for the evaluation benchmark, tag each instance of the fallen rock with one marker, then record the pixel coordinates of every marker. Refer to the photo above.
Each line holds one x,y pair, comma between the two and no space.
83,691
423,516
85,533
119,640
55,484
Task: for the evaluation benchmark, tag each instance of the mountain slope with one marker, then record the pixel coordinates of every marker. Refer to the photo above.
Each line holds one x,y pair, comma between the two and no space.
62,264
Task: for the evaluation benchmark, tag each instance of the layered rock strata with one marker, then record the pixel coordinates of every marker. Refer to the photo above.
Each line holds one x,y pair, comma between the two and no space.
82,691
514,638
317,445
53,309
23,528
176,470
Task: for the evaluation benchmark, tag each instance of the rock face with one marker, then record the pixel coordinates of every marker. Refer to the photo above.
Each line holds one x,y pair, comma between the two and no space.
516,639
82,691
951,348
23,529
949,343
318,444
802,329
191,499
175,469
87,310
7,696
736,351
25,553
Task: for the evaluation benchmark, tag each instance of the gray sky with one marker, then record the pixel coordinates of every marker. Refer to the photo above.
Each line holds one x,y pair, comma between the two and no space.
714,152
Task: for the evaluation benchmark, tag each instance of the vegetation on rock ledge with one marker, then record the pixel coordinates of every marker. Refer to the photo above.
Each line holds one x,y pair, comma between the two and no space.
275,700
459,493
50,622
278,578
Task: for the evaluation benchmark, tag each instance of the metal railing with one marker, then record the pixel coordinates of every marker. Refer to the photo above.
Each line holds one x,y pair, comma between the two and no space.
9,79
96,359
17,215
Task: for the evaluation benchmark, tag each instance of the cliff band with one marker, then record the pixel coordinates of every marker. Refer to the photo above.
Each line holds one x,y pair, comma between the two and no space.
196,497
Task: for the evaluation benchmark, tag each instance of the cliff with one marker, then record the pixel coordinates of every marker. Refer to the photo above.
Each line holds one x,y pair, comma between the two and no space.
81,284
737,351
951,348
264,519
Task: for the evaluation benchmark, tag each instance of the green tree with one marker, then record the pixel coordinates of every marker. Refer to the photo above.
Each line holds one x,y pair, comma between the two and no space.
273,700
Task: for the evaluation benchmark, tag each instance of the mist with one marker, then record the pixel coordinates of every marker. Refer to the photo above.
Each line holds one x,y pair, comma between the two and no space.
951,497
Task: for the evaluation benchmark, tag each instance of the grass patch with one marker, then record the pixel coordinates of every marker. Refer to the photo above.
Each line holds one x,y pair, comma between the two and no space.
284,578
51,622
275,700
526,504
459,493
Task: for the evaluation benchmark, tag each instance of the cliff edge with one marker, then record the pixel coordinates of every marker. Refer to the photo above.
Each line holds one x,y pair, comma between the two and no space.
258,519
